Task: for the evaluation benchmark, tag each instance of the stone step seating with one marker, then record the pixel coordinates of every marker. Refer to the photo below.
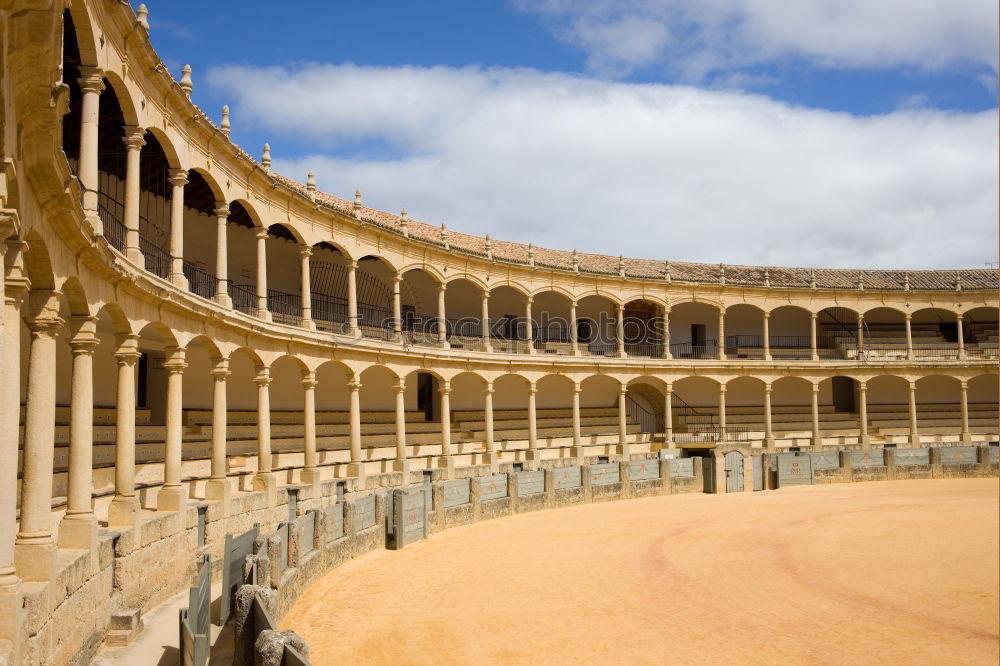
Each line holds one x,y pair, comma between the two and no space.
242,417
561,348
102,416
788,353
513,423
548,412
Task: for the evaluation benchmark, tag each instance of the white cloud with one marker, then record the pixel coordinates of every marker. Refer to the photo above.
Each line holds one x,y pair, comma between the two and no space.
695,37
653,171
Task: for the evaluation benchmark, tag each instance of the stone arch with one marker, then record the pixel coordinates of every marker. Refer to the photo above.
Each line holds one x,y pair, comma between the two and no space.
169,151
554,391
120,323
83,29
126,100
213,184
76,297
38,263
467,392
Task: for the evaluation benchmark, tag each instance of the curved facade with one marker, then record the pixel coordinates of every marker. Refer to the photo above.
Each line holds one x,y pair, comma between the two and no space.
181,324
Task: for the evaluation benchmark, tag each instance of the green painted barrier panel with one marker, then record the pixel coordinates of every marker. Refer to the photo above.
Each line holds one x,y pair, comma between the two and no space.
364,513
604,473
493,487
410,506
868,458
530,483
681,467
643,470
913,456
794,470
825,459
456,492
567,477
958,455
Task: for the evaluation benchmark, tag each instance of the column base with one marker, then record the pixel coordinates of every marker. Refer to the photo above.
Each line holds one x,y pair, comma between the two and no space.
135,255
94,220
914,440
493,460
625,451
769,443
36,561
171,499
310,476
124,512
219,490
447,463
78,532
12,615
403,467
224,300
966,438
357,470
179,280
309,324
816,441
264,313
266,482
579,453
865,439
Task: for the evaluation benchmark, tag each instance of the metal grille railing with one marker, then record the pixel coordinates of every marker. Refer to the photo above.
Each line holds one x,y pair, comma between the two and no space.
644,349
647,420
200,282
156,258
244,297
285,308
114,228
687,350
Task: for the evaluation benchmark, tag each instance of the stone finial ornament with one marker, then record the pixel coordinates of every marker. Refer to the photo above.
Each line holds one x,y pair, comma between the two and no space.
576,261
722,273
225,124
142,17
812,278
958,281
906,280
266,157
767,276
444,236
311,184
489,247
357,204
531,254
186,84
666,265
404,223
861,280
621,265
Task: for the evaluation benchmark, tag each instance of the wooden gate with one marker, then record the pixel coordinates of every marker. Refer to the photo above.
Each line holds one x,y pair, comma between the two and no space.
758,472
734,472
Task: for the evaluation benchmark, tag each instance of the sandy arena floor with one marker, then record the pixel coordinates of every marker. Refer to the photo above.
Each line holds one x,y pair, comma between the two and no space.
895,572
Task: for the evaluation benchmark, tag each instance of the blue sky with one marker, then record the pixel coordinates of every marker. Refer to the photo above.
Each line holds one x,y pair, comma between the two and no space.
462,111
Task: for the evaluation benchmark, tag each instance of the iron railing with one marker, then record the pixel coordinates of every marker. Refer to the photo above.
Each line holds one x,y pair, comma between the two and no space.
156,258
647,420
114,228
285,308
687,350
200,282
244,297
644,349
898,352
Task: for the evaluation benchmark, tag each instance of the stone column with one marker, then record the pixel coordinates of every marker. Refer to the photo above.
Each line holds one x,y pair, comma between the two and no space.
814,353
574,339
91,84
397,308
623,446
357,466
722,335
442,320
173,496
861,332
620,329
491,453
78,528
352,300
124,508
35,550
222,256
532,453
577,429
909,338
964,400
722,411
529,325
178,179
768,431
262,311
402,463
816,437
668,416
863,412
217,487
13,286
446,461
264,480
961,336
666,334
310,474
485,322
767,336
914,432
134,142
307,321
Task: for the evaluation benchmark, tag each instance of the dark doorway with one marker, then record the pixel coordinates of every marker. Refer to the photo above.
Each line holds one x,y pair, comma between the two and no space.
843,394
949,331
584,330
697,335
426,388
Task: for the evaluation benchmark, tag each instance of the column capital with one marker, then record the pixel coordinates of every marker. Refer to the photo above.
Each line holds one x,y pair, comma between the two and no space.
488,388
768,388
669,386
220,371
134,137
442,286
813,315
815,388
623,389
532,388
175,363
444,387
260,233
91,79
353,264
767,315
221,210
354,385
908,315
305,251
862,385
722,388
577,388
262,380
399,385
177,177
127,357
309,383
964,385
45,326
397,278
959,316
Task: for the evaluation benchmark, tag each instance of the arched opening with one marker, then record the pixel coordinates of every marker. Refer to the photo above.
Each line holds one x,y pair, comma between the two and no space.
552,320
984,405
375,298
645,406
934,332
744,332
695,406
71,64
789,333
284,282
938,408
791,410
200,237
328,268
884,335
599,415
508,320
694,331
154,207
596,324
888,399
981,333
111,167
642,326
419,304
464,307
837,328
241,259
745,408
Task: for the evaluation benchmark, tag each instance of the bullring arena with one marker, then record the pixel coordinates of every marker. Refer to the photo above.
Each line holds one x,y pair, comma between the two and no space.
230,386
